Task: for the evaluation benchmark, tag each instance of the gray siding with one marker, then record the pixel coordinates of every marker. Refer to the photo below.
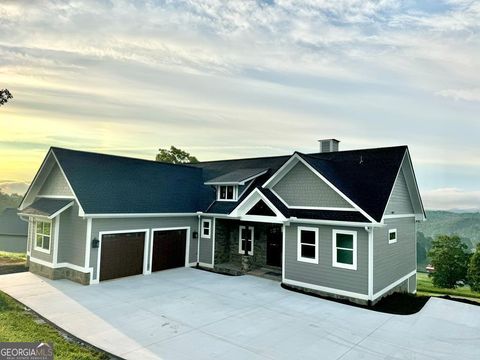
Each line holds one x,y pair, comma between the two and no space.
301,187
40,254
126,224
400,202
13,243
205,255
323,273
412,284
71,239
393,261
55,184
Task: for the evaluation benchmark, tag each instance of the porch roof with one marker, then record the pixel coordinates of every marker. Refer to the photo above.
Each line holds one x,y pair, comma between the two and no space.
47,207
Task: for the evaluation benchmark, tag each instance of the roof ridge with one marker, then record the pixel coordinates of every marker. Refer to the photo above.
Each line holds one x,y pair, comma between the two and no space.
122,157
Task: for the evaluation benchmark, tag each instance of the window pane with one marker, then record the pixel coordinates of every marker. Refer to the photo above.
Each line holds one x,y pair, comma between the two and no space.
345,241
223,192
246,233
249,246
307,237
206,231
39,240
243,245
46,242
393,235
229,192
308,251
206,224
46,228
345,256
39,227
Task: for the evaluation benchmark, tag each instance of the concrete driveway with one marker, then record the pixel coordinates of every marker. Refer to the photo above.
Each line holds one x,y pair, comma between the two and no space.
193,314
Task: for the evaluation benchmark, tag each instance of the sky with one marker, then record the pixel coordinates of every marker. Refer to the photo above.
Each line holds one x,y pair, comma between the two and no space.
230,79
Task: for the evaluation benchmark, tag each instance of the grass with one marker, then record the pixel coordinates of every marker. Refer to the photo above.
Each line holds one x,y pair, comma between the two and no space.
12,262
425,287
19,325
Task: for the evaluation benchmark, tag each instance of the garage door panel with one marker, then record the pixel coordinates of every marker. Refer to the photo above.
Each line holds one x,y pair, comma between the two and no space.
169,249
122,255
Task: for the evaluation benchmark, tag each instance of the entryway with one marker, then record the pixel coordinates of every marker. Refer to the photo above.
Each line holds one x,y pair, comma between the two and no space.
274,246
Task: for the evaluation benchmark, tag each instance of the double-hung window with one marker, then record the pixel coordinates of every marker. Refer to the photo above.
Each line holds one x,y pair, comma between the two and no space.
392,236
307,244
344,249
206,228
227,192
43,230
245,240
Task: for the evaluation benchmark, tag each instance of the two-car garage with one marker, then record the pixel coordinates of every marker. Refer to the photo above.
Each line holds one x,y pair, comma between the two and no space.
134,253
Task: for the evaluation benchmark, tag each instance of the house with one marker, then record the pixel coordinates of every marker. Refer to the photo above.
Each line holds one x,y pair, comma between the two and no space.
13,232
339,223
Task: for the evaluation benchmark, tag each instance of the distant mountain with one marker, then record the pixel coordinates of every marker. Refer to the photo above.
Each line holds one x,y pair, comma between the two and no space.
465,225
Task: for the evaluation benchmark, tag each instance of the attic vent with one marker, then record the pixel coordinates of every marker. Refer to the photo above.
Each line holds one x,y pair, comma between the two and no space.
328,145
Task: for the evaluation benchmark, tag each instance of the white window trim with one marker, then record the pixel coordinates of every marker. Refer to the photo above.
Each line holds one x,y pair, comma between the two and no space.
35,247
299,245
235,193
337,264
252,230
209,221
391,231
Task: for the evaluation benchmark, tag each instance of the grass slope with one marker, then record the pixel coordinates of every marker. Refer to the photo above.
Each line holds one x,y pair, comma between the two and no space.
425,287
12,262
16,325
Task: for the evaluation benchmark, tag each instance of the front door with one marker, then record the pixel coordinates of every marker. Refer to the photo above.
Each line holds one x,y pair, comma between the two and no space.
274,246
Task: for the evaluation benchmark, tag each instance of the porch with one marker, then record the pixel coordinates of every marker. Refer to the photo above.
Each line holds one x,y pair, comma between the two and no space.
248,247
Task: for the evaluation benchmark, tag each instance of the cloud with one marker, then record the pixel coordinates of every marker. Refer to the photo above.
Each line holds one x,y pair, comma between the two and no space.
461,94
13,187
451,199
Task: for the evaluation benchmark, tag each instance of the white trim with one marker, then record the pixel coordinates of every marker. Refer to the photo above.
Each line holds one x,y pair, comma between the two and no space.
62,197
209,221
279,197
213,242
299,245
59,265
322,208
370,262
207,265
152,238
332,222
416,185
134,215
326,289
235,193
394,284
99,254
56,227
88,243
398,216
245,189
252,240
41,249
199,219
335,262
249,202
283,251
294,159
242,182
391,231
58,212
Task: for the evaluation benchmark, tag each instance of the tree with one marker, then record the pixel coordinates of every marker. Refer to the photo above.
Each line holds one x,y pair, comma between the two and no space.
175,156
9,201
5,95
473,274
449,257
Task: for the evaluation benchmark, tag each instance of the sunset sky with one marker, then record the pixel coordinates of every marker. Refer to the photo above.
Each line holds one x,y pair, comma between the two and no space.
228,79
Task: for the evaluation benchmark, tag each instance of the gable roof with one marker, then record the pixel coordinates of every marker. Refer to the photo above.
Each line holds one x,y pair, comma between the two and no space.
107,184
47,207
11,224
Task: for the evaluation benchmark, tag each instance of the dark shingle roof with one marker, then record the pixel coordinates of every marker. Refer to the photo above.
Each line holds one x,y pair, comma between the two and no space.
11,224
106,184
237,176
46,207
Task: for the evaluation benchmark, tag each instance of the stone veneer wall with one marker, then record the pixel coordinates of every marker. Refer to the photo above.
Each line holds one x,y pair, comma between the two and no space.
226,242
59,273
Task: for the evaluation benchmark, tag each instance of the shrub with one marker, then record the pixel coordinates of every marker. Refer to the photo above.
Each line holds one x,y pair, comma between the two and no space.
473,274
450,258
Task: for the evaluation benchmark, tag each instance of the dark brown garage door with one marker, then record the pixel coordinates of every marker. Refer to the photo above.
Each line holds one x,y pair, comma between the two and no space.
122,255
169,249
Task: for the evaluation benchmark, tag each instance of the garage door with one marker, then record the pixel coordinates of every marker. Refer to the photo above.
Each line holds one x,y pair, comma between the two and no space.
169,249
122,255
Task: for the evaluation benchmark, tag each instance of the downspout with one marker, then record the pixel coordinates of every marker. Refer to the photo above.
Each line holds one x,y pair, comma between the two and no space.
199,215
369,230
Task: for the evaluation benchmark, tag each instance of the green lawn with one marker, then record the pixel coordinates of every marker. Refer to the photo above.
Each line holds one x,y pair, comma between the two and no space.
425,287
12,262
17,324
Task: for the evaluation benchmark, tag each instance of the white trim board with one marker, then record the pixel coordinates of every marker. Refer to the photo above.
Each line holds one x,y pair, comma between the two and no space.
134,215
59,265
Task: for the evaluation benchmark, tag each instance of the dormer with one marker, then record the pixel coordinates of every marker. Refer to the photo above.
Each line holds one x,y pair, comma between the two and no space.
230,186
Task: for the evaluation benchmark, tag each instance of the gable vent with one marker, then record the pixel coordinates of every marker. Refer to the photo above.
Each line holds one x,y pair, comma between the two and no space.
328,145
